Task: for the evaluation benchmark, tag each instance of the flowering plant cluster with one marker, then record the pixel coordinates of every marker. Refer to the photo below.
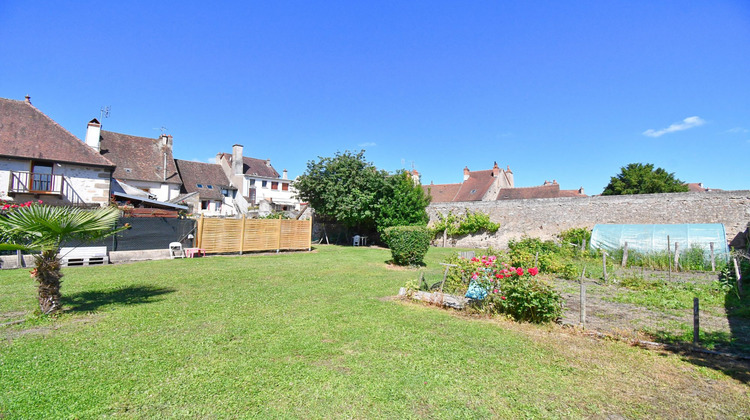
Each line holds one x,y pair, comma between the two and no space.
487,273
9,206
517,292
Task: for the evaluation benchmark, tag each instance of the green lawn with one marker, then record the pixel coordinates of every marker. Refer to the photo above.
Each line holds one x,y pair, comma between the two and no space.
314,335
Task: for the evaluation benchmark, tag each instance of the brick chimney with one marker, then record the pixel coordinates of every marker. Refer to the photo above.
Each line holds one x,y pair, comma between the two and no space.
28,99
467,173
237,163
93,134
495,170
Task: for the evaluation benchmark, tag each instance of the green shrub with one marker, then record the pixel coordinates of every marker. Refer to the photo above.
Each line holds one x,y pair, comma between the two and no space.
526,298
408,244
457,225
575,236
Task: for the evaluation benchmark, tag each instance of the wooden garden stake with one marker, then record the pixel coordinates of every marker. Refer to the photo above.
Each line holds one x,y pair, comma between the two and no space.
583,245
738,275
536,259
669,259
696,322
713,258
625,255
445,237
583,299
676,256
604,266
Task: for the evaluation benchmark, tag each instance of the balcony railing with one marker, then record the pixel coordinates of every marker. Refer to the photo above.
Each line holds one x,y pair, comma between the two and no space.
35,183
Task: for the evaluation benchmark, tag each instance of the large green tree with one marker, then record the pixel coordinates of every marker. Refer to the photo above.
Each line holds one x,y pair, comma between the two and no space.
344,188
639,178
43,228
402,203
348,189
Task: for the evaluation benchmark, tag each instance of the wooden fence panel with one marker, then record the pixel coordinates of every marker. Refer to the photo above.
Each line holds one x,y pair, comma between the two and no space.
261,235
247,235
295,234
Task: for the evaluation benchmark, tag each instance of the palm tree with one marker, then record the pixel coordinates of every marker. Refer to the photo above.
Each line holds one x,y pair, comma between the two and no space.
43,228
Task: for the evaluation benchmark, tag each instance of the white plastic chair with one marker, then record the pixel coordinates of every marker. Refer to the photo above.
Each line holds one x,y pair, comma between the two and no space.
356,241
175,250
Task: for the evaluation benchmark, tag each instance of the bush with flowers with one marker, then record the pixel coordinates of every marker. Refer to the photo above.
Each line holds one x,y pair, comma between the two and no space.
498,287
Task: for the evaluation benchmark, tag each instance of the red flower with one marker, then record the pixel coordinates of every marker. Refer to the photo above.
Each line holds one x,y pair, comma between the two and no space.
533,271
502,297
519,271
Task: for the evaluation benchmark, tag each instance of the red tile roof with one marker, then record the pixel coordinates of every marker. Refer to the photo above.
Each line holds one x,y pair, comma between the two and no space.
441,193
474,188
541,191
139,158
26,132
205,174
253,166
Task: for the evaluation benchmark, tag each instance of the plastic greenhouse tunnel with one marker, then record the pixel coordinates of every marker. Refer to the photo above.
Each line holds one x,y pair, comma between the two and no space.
649,239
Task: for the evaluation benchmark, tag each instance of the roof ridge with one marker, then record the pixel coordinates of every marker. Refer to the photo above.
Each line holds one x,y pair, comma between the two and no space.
27,103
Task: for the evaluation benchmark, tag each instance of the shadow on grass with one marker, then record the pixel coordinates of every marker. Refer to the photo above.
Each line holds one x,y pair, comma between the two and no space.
131,295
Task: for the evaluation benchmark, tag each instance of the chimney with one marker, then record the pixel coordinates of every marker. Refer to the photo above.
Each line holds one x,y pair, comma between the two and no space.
28,99
237,163
580,191
466,173
166,141
284,174
93,134
268,162
495,170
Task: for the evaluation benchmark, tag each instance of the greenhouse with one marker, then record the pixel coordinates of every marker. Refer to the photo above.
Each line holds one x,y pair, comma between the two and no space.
650,239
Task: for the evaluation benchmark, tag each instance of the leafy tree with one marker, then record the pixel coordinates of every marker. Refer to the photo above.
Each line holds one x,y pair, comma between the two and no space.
43,228
344,187
402,203
639,178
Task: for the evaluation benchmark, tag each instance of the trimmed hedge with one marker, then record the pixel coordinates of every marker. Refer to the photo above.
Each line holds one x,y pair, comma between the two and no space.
408,244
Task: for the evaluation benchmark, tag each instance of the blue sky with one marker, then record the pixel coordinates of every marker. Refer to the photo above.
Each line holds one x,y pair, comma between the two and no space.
570,91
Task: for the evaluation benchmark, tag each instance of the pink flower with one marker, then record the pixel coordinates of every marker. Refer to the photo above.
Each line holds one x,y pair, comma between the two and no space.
474,276
40,201
495,291
519,271
533,271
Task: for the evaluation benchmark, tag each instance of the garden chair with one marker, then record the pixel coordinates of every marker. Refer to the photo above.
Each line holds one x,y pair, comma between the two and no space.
175,250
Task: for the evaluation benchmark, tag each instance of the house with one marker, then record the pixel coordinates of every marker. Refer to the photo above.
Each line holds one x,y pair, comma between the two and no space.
40,160
206,188
494,184
257,182
142,162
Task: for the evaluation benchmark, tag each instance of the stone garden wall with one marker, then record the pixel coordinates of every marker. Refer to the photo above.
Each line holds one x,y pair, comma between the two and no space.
546,217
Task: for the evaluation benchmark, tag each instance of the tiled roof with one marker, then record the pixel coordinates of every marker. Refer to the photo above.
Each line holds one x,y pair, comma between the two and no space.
204,174
441,193
252,166
474,188
541,191
26,132
139,158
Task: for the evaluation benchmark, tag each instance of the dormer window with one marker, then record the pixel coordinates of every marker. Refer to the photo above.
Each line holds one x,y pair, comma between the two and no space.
199,185
128,170
210,187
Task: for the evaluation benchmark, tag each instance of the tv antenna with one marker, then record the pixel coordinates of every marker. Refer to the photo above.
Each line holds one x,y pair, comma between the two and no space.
104,112
162,129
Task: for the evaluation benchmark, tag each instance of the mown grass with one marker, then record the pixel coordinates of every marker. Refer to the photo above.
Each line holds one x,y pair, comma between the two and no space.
314,335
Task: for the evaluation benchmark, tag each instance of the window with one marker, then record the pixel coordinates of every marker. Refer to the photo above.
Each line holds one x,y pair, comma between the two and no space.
41,176
252,182
225,192
284,186
205,204
274,185
199,185
210,187
264,184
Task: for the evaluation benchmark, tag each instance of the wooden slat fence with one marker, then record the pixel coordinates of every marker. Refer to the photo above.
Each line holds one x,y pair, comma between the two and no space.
248,235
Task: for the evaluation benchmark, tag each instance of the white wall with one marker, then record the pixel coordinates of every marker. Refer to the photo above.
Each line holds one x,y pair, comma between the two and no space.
162,191
82,184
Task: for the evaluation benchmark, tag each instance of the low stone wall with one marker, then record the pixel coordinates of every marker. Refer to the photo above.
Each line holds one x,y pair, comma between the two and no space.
545,217
115,257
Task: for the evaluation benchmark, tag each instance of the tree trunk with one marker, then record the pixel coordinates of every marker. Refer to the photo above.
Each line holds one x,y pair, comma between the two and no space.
47,274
